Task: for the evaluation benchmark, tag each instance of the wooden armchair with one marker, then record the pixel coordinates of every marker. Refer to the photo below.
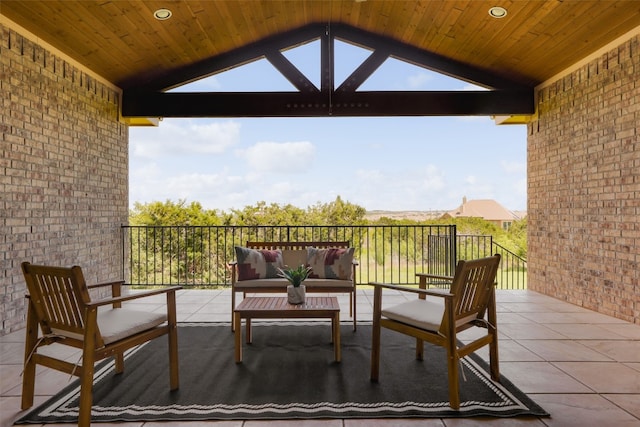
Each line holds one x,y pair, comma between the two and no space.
59,303
438,318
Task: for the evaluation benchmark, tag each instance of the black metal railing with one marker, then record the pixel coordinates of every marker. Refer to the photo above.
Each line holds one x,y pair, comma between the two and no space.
513,268
198,256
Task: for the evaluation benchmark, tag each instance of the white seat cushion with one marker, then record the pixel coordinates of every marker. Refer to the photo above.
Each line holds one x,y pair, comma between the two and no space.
425,314
118,323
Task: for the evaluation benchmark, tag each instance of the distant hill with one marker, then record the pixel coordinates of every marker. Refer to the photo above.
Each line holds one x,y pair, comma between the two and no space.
412,215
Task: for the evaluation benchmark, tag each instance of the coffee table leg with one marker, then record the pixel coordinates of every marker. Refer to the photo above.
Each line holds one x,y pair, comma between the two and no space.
335,323
247,329
238,336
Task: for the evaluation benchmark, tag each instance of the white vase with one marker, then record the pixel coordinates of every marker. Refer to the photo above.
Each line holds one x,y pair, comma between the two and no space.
295,295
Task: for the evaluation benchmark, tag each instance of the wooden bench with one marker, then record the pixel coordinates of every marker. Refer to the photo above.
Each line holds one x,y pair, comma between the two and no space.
293,255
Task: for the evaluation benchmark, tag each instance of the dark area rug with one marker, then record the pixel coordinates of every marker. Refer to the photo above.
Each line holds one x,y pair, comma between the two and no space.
288,372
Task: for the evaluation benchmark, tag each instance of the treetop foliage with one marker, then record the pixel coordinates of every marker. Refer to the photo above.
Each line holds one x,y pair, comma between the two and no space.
337,212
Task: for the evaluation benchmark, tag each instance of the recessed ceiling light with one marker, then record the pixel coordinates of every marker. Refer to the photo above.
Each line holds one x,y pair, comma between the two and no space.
162,14
498,12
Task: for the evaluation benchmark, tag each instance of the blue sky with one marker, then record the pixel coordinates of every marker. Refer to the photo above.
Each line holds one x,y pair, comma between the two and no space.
380,163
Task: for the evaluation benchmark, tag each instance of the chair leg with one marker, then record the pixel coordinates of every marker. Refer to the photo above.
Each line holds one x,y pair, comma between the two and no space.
119,363
29,375
375,336
354,308
453,363
493,358
86,377
419,349
233,306
174,378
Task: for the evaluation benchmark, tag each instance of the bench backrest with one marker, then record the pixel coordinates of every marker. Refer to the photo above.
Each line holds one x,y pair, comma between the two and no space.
296,245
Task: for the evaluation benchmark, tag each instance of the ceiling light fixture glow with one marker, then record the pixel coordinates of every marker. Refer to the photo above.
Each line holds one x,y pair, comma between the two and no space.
162,14
498,12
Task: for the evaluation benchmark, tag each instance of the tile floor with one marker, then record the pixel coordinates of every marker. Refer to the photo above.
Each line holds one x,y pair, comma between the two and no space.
582,367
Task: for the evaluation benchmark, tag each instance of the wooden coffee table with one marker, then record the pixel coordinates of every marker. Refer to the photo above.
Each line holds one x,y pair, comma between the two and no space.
279,308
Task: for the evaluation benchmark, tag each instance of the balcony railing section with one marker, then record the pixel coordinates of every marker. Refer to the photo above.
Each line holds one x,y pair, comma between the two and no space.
199,256
513,268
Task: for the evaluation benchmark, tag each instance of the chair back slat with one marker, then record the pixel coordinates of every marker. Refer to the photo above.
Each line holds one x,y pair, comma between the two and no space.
59,296
472,285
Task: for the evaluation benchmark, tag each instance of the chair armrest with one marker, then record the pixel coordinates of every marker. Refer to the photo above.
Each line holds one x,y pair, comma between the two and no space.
101,285
107,301
434,276
434,293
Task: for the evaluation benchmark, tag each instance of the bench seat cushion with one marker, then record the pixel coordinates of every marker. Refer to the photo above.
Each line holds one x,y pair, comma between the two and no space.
309,283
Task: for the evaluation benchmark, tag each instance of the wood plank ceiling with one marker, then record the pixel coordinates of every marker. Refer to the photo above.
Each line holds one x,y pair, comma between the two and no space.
124,43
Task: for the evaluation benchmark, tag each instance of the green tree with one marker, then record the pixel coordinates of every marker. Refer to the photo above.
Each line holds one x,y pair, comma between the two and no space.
173,213
338,212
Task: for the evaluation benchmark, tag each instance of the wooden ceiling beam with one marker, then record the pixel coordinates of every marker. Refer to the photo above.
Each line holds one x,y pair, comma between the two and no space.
228,60
351,104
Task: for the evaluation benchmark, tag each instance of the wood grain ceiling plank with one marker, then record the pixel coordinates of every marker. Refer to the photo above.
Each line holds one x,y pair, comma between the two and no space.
416,26
446,40
128,46
182,32
554,22
93,41
202,37
536,40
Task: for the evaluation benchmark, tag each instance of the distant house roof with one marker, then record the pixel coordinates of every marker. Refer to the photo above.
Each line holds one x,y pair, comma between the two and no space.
483,208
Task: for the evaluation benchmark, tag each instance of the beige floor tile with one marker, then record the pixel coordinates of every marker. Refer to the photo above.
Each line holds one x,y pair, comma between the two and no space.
626,330
9,378
394,422
188,424
596,318
216,308
508,317
621,351
584,410
510,351
493,422
582,331
604,377
563,350
545,318
628,402
10,409
635,366
564,307
526,307
293,423
529,331
541,377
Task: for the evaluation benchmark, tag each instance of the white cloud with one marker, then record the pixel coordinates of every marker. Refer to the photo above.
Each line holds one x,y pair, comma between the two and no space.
174,138
418,81
280,157
432,179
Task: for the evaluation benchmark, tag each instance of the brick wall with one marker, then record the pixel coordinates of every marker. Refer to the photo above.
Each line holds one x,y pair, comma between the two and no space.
64,187
584,186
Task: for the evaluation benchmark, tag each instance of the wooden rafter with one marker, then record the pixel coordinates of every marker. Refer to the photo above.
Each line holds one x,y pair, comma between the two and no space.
151,100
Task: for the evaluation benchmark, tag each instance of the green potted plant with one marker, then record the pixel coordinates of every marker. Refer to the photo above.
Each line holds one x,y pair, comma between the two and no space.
295,276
